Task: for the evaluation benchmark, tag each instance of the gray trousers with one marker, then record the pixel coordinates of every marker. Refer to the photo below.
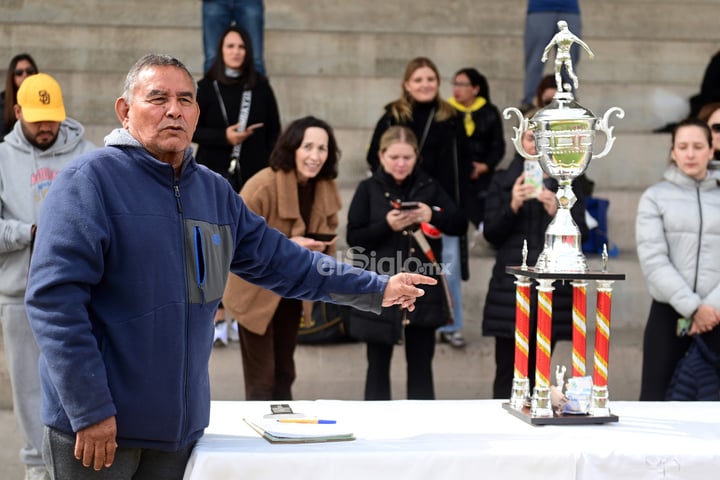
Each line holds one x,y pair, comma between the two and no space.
22,357
129,464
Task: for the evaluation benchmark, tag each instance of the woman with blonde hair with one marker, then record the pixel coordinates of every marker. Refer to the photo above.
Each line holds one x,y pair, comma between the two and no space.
442,155
386,209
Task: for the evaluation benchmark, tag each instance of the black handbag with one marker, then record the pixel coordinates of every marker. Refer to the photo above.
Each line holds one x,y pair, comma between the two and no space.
371,328
327,324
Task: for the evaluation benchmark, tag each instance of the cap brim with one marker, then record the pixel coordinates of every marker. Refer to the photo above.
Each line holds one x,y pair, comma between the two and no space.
33,115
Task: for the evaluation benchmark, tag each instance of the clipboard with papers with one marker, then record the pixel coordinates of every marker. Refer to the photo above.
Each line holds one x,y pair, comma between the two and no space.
300,430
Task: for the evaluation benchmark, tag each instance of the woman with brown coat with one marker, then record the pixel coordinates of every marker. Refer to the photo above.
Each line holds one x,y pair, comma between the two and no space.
297,195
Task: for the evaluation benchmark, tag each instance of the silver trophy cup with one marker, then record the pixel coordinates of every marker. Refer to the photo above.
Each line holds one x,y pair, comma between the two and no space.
564,138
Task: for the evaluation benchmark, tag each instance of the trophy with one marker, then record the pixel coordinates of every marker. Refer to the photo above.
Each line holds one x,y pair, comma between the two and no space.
564,137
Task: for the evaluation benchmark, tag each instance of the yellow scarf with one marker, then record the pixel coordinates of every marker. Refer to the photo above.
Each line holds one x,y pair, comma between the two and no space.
468,122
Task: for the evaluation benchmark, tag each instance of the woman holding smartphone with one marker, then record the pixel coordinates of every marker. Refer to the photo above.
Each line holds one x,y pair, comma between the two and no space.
517,212
239,121
442,148
386,209
298,196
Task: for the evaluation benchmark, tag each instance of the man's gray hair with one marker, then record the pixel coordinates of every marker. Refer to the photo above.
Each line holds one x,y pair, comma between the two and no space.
148,61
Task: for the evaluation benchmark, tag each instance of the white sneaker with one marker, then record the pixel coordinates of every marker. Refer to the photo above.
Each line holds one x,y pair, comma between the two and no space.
36,472
233,334
221,334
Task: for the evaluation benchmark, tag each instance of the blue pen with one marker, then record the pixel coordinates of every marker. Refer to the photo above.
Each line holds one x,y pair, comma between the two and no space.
306,420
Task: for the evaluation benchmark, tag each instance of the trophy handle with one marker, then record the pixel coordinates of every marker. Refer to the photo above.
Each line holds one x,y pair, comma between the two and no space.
603,126
522,128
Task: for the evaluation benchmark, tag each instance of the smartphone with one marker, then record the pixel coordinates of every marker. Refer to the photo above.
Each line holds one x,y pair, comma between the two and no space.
683,326
533,176
252,127
278,408
322,237
409,205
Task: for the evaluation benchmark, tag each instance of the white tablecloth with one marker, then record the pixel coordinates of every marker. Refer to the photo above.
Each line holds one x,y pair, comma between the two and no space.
466,439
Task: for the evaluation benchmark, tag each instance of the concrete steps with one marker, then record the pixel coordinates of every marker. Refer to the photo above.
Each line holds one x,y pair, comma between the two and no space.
343,61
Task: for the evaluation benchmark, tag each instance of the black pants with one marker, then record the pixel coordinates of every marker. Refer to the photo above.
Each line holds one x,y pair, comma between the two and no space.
662,349
505,364
419,352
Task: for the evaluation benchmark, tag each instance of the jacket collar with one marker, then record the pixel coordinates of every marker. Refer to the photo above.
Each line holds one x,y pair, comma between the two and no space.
326,201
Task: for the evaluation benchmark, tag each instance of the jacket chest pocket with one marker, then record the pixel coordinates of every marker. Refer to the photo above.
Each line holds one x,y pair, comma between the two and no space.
208,252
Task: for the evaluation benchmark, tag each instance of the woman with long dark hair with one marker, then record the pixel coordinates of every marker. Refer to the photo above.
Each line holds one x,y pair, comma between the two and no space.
21,66
239,120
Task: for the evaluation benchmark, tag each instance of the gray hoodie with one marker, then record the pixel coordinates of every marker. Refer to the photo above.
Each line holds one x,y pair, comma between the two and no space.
26,174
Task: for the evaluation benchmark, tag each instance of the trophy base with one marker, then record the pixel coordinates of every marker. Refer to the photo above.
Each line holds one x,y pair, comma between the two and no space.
559,418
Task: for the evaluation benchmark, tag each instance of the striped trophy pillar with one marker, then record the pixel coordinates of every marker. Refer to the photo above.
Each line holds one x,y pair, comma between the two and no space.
579,328
541,406
521,383
599,399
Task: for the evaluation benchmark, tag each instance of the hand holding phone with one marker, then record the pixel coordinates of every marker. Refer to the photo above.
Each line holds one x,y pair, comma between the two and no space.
533,176
253,127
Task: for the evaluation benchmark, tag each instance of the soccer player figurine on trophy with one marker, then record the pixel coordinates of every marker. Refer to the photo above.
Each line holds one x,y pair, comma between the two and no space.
564,137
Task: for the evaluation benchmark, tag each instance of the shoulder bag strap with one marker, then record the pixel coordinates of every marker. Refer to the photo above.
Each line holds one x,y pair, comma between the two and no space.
245,103
427,129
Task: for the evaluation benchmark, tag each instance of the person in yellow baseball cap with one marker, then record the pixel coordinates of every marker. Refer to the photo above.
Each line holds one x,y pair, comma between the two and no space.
40,144
41,100
40,109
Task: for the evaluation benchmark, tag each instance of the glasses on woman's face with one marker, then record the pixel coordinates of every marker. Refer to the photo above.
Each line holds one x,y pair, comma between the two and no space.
27,71
715,127
461,84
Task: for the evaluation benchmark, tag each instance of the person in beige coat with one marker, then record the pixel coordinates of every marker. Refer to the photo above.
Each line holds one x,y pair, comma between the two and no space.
297,195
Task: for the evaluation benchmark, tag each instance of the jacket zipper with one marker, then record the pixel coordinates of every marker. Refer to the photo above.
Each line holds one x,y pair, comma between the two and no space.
186,402
697,255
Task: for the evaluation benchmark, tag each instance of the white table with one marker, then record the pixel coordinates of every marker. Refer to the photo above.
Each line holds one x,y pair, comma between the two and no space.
468,439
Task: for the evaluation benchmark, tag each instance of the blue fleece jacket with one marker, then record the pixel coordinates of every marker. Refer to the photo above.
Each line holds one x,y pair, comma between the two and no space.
128,269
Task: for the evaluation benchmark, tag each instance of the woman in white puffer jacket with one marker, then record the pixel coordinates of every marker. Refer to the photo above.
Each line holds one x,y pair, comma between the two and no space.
678,244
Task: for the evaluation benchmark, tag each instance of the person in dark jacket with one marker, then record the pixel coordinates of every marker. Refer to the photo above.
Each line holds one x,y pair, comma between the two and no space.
133,248
485,143
442,146
380,233
231,80
239,122
512,216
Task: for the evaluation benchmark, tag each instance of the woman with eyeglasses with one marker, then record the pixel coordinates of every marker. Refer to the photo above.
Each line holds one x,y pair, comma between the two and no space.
485,142
710,114
21,66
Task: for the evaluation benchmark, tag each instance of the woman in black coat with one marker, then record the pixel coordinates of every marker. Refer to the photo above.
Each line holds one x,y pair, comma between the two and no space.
222,139
442,145
513,215
485,144
380,234
220,95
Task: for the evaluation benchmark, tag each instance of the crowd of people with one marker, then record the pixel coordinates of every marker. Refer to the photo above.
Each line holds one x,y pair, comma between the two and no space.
244,232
